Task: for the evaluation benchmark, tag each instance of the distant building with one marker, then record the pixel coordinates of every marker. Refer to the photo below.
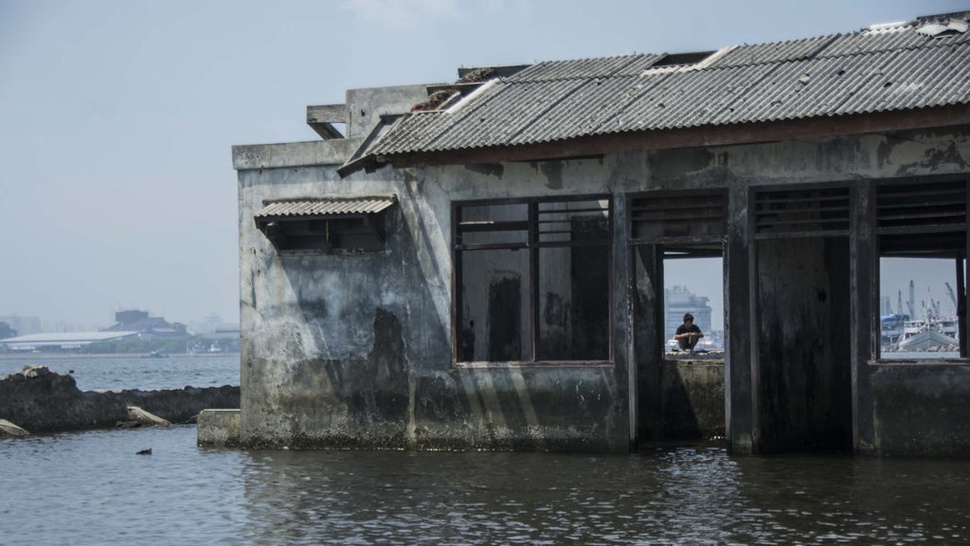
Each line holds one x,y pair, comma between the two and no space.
6,331
146,325
223,340
59,342
23,325
678,301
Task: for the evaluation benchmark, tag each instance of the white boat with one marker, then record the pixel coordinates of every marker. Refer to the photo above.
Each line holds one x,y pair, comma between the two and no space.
926,340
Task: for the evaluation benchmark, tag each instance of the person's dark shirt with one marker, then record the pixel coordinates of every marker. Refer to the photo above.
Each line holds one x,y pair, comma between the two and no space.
693,329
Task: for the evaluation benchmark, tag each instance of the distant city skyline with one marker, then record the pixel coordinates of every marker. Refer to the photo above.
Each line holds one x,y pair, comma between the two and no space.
31,324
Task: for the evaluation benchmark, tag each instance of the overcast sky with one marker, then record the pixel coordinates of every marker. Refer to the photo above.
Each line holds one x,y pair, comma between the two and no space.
117,117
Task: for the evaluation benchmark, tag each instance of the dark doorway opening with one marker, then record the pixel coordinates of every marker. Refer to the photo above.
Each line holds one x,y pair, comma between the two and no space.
677,240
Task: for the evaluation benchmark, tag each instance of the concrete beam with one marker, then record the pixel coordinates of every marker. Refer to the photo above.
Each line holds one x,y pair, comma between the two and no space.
293,154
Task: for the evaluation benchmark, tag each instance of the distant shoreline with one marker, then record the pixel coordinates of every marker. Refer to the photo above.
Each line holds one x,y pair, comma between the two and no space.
58,356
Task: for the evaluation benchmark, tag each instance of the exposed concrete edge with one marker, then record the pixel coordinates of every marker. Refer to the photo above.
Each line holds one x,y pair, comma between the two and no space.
218,428
294,154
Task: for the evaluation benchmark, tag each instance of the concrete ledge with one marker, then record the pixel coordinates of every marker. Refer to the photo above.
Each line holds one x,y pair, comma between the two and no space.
294,154
218,428
693,399
922,410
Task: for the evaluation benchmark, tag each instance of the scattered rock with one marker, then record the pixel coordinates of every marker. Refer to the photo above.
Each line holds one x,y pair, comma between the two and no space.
139,415
10,430
35,371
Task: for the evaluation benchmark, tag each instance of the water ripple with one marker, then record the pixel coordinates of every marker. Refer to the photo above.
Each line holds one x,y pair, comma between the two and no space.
91,488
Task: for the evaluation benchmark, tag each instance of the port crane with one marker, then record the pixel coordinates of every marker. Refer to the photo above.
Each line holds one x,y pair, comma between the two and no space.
953,298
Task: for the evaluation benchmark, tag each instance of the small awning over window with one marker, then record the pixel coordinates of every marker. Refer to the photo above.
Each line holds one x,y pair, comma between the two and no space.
353,223
305,208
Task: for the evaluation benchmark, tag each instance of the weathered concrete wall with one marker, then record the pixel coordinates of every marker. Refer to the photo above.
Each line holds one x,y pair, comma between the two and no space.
42,401
803,318
366,106
356,350
693,399
218,428
922,409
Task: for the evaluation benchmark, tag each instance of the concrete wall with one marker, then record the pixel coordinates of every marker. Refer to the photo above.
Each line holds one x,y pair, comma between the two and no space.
356,350
922,409
804,383
693,399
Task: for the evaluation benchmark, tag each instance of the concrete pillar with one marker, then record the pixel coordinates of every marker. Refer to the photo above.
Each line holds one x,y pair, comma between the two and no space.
864,301
648,339
623,324
739,395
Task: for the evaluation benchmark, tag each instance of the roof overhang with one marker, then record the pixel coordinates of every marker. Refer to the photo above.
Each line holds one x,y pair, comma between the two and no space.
692,137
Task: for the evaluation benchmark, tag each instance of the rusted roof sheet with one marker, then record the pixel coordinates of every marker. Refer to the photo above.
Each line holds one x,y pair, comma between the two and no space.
325,206
880,69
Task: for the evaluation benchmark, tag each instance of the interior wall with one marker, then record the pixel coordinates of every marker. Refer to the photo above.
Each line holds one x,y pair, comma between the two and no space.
804,344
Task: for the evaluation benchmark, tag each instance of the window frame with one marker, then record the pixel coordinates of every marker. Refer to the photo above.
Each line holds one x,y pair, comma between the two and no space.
892,230
533,245
301,229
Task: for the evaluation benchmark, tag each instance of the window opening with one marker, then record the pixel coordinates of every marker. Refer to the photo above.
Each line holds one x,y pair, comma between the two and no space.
326,225
921,227
695,287
533,280
688,227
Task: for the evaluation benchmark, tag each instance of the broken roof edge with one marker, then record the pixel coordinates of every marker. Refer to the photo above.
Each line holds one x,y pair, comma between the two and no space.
682,138
500,71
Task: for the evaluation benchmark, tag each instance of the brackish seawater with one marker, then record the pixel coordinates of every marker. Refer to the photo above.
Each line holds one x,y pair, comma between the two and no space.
91,488
115,373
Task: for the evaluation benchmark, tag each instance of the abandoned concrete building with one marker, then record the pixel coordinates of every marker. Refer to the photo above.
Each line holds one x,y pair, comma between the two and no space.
480,264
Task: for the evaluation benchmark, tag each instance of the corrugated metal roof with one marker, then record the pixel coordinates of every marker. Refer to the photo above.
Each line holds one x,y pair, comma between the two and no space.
880,69
325,206
773,52
586,68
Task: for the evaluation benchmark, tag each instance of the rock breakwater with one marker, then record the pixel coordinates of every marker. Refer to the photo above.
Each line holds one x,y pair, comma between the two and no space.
39,400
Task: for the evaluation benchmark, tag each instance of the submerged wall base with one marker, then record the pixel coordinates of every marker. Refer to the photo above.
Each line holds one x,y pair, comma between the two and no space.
218,428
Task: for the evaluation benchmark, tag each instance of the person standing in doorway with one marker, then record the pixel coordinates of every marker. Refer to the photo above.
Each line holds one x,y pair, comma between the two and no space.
688,333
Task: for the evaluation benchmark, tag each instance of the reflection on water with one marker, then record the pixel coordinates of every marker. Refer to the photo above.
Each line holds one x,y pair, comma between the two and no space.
91,488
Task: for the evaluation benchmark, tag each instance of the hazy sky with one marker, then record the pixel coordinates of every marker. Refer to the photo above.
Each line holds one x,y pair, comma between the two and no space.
117,117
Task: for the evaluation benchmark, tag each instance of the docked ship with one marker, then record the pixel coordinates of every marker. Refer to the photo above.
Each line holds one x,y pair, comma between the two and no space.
899,333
